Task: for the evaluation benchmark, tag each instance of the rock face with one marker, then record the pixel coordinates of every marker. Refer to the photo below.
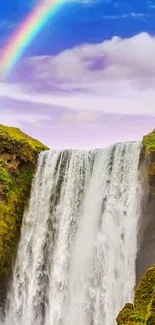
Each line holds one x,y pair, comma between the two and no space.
143,309
148,154
18,158
146,255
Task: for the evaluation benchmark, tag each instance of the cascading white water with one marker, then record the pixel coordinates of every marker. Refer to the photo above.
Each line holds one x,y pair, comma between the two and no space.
76,258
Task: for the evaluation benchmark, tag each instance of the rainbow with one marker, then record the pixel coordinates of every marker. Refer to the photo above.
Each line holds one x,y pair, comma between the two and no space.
25,34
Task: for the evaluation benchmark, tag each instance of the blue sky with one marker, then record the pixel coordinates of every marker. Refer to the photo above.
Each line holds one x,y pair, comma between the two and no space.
81,22
88,78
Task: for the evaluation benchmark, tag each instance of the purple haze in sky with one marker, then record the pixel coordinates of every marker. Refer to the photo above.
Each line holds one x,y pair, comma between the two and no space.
89,96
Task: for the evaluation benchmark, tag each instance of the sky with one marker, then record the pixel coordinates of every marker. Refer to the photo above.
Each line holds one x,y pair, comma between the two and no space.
87,80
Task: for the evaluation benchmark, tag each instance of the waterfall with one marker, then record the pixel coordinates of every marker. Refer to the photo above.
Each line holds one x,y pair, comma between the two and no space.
75,263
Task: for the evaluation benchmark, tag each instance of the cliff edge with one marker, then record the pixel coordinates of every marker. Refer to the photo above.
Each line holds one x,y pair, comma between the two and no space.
148,155
142,311
18,158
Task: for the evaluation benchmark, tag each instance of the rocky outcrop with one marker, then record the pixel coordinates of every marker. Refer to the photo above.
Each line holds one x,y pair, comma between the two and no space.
18,158
148,155
143,309
146,254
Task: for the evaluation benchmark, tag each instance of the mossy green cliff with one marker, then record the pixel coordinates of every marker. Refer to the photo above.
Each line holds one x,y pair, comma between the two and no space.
18,158
148,155
142,311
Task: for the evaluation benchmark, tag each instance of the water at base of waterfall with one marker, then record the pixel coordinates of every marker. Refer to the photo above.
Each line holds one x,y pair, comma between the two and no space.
76,258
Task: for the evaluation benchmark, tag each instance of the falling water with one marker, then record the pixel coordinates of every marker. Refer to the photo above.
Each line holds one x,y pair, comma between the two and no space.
76,258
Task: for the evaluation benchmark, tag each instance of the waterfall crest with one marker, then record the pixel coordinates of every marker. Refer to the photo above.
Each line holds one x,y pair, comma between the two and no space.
76,257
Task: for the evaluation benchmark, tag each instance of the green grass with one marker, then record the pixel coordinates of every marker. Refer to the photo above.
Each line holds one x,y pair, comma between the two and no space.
4,176
143,309
19,144
15,134
18,158
149,141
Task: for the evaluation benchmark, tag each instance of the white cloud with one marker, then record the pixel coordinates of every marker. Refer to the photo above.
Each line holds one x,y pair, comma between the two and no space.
8,117
116,76
80,117
132,57
124,16
134,102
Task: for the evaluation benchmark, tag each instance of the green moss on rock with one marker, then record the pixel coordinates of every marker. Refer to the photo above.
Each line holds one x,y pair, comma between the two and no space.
149,141
19,144
129,316
18,158
143,309
145,293
148,154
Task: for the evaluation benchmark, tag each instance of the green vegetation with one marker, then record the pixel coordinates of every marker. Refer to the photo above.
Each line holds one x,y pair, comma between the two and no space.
145,293
18,158
149,141
148,156
19,144
129,316
143,309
